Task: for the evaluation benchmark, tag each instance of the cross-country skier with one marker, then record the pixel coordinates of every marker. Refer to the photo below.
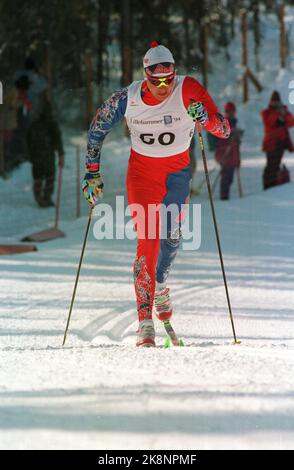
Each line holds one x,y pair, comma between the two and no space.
161,112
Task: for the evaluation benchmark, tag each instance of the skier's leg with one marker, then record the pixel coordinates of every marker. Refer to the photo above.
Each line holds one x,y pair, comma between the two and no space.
144,276
146,185
178,190
144,282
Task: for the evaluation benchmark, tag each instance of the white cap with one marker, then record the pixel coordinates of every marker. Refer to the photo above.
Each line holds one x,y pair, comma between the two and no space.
156,55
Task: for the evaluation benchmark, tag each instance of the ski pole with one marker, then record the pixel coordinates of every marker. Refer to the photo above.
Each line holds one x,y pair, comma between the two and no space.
78,274
78,182
216,228
58,196
240,190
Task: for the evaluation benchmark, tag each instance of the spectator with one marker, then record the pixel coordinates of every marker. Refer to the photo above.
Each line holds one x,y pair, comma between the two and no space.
38,82
276,121
10,108
23,112
227,152
44,138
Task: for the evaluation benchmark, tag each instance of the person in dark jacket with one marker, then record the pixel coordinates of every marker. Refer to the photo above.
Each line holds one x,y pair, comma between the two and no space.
44,138
276,121
227,152
38,82
18,145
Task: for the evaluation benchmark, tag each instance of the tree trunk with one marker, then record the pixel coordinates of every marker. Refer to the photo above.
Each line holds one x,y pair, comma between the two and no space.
203,46
232,20
2,166
205,55
187,38
282,36
244,54
48,67
127,69
100,49
126,38
256,33
103,14
89,79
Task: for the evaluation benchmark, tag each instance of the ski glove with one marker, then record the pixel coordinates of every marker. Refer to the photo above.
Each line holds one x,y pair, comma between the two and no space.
92,187
197,112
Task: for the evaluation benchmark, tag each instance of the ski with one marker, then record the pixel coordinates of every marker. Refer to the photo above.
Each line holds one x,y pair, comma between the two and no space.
172,337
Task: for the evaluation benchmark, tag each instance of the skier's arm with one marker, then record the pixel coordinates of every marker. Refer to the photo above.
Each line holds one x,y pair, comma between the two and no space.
107,115
216,123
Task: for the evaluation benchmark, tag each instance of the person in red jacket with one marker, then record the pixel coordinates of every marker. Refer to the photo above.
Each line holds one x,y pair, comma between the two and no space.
227,152
161,111
276,121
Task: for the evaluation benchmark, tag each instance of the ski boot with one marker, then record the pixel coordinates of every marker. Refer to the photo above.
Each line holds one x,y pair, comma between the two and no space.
162,304
146,334
164,310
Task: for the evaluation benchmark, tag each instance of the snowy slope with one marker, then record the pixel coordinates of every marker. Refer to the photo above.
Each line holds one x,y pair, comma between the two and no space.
99,391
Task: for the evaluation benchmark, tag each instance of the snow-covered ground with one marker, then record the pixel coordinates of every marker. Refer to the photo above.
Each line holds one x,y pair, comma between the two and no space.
99,391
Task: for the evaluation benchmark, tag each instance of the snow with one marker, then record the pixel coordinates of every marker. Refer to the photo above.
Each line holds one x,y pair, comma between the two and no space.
99,391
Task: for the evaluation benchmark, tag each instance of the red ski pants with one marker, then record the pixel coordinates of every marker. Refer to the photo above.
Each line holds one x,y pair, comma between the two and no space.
154,181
